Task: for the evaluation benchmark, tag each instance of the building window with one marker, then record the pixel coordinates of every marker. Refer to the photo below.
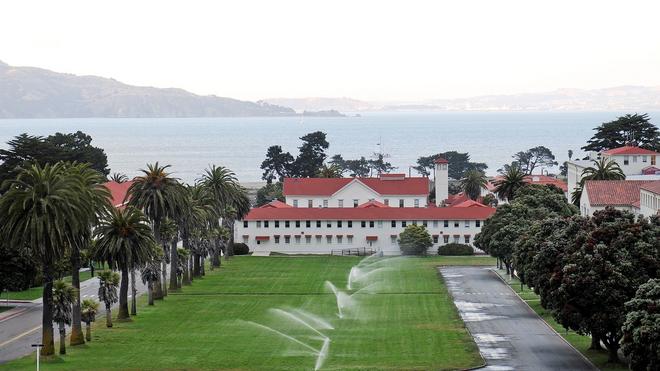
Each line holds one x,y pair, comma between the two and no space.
371,224
310,203
318,240
277,224
339,240
403,223
308,223
386,201
414,222
258,223
393,223
318,224
308,239
634,159
328,239
328,224
425,223
349,240
652,160
295,203
446,223
467,238
339,223
456,238
477,223
265,223
355,203
417,202
277,239
456,224
340,203
401,203
287,239
287,224
245,223
435,224
467,224
349,224
380,224
364,224
625,160
435,238
297,223
325,203
297,239
445,238
393,240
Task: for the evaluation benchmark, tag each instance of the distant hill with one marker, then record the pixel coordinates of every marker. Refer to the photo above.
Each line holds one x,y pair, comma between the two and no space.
27,92
324,104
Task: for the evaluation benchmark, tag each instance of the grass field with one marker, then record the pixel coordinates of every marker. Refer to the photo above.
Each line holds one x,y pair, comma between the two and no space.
581,343
405,321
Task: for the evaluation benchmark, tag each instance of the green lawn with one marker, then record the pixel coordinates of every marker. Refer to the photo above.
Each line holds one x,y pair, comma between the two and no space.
581,343
406,320
35,292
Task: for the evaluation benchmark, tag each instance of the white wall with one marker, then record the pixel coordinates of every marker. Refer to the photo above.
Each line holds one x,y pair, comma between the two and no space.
586,209
356,191
382,230
649,203
635,163
441,183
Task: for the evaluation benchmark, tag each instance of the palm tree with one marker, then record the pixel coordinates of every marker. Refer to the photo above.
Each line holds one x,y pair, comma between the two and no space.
89,309
118,177
95,197
157,194
108,282
151,274
238,209
168,232
332,171
602,169
183,259
63,297
473,182
39,212
512,180
125,241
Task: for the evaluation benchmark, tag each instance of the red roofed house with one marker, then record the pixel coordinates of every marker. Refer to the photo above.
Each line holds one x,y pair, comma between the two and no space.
324,214
635,162
118,192
621,194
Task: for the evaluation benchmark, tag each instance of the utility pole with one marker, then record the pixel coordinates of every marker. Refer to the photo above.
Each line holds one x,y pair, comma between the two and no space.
38,346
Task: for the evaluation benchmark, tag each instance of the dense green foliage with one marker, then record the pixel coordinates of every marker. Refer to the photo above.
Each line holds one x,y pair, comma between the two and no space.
533,158
456,249
473,182
269,192
459,164
641,340
415,240
625,129
241,249
512,179
25,150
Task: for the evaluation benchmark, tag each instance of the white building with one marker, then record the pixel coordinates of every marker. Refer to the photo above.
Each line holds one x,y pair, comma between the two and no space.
321,215
625,195
636,163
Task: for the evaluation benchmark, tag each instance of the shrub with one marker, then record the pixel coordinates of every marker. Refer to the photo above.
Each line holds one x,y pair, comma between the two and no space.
414,240
241,249
455,249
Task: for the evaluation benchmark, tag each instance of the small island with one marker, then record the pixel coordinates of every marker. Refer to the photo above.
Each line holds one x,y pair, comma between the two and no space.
325,113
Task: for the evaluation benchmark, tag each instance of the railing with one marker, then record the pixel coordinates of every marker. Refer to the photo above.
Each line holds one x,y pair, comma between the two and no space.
359,251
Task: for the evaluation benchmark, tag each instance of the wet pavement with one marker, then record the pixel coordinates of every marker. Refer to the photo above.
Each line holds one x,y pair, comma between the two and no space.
509,334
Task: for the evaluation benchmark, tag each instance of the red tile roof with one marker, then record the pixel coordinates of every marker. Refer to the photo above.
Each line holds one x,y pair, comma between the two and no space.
328,186
652,187
614,192
532,179
630,150
469,203
384,213
372,203
650,170
118,192
441,160
276,204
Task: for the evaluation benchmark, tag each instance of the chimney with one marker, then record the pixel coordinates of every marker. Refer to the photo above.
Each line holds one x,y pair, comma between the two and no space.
441,180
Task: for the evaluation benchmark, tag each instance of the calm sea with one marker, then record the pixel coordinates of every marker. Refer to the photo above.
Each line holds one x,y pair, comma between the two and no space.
191,144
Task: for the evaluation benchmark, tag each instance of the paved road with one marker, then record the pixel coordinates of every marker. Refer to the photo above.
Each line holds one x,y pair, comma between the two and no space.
22,327
509,334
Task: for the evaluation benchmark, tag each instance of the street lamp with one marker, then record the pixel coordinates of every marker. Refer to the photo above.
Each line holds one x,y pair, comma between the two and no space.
38,346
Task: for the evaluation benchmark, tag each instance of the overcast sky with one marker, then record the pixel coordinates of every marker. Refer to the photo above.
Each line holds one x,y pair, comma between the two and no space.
377,50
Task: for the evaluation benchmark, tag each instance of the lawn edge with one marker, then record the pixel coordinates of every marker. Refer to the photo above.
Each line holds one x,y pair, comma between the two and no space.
542,319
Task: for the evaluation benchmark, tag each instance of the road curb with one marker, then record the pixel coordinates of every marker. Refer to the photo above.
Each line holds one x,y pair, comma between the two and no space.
541,318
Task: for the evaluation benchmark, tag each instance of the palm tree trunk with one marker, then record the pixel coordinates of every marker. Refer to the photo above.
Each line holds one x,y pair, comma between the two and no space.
133,294
215,258
47,314
123,295
88,331
202,266
76,325
157,289
62,338
185,280
108,315
174,264
196,270
164,274
150,292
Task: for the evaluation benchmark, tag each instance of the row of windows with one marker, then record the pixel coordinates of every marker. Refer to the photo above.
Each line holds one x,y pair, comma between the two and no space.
626,159
363,223
349,239
356,202
650,201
